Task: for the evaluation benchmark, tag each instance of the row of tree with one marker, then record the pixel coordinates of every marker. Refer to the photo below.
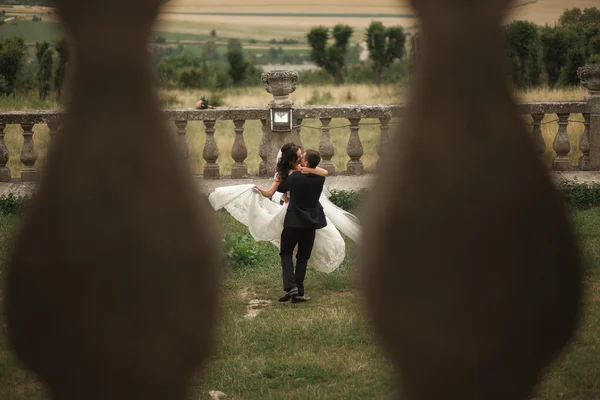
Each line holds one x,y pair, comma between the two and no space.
188,71
552,54
385,45
51,63
538,55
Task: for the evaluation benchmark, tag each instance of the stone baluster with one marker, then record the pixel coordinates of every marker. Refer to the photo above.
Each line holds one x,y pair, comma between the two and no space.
538,138
29,155
590,78
326,147
263,170
181,133
210,152
295,135
562,145
53,126
385,136
89,306
584,144
239,152
354,148
428,248
5,175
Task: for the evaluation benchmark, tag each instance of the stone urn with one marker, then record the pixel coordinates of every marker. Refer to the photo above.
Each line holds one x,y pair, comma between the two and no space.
280,83
590,78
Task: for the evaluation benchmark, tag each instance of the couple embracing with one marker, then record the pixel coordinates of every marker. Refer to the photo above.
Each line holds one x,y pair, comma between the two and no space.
294,214
298,173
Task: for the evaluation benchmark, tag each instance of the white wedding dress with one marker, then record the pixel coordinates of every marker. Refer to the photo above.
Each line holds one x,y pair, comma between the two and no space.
264,219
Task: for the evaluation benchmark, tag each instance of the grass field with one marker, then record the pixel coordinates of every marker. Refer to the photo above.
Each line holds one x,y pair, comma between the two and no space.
337,357
32,31
256,96
262,20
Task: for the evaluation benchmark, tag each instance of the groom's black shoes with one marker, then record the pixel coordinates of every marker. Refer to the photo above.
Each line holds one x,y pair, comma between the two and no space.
290,294
300,299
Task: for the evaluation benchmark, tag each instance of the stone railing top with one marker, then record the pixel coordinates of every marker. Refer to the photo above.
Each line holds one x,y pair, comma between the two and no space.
552,107
349,111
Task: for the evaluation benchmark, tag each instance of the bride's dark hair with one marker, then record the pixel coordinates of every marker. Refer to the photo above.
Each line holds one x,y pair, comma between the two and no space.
289,156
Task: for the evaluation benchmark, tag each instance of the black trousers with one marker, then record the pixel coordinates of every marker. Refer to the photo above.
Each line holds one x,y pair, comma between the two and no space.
305,239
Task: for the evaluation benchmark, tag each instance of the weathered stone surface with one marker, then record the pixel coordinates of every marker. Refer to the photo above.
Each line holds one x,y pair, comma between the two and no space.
354,149
552,107
538,139
326,147
562,145
210,153
590,78
29,155
215,114
584,145
349,111
280,83
239,152
5,175
305,112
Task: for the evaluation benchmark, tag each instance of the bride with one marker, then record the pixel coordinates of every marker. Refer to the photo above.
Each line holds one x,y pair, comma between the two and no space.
251,206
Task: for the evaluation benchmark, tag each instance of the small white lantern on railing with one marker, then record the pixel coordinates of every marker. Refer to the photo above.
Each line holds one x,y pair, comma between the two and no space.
281,83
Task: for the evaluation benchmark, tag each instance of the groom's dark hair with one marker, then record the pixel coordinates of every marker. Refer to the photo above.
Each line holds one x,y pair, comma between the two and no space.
313,158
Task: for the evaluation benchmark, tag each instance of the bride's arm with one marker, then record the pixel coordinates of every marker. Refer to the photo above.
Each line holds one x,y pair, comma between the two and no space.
317,171
269,192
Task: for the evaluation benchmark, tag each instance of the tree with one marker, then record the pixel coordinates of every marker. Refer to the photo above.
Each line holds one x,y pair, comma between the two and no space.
570,16
555,44
234,44
588,18
574,41
43,53
384,45
238,66
62,48
332,58
12,51
575,59
591,18
209,51
273,53
524,49
213,33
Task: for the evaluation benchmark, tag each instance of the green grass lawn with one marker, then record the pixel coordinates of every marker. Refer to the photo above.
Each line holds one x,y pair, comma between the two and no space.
324,348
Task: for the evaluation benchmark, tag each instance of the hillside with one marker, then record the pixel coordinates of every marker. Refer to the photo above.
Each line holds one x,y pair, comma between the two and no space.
263,19
260,21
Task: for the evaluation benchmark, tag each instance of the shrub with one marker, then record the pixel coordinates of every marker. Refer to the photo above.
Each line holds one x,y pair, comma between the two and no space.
580,196
11,204
348,200
242,251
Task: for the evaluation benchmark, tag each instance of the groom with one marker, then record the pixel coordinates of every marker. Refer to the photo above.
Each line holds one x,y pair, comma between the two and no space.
303,217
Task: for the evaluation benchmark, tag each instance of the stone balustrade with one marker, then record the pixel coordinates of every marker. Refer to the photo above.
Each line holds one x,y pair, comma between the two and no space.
565,111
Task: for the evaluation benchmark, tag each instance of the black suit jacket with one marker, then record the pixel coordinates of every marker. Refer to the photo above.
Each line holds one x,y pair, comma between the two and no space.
304,209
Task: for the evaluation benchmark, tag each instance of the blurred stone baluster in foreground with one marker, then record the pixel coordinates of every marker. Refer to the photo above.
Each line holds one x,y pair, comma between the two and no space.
112,288
471,270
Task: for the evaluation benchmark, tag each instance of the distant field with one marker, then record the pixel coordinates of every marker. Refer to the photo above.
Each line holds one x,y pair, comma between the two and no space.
32,31
263,20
